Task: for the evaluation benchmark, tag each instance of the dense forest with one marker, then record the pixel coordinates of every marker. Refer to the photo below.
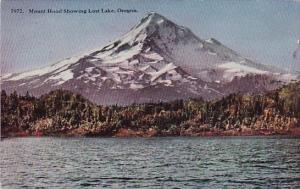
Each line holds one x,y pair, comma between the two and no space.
62,113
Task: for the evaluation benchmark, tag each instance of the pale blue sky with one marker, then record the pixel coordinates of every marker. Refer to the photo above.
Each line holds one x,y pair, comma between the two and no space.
263,30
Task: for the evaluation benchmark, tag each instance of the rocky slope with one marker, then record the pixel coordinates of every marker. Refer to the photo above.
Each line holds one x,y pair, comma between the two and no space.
157,60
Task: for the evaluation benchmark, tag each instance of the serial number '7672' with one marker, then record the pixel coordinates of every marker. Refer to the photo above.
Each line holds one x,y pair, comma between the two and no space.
16,11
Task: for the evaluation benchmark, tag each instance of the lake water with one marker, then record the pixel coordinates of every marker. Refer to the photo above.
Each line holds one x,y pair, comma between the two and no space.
170,162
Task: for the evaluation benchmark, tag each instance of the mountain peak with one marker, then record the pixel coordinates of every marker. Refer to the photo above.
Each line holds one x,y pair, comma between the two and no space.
155,60
153,17
154,14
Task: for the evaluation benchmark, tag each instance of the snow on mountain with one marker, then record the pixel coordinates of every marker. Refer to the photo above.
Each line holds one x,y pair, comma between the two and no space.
55,68
156,60
233,69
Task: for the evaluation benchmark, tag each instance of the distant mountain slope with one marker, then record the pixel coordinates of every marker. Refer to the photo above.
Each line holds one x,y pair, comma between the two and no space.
156,60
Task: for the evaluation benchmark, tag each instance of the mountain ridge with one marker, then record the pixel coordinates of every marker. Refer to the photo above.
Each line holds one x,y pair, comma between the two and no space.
155,55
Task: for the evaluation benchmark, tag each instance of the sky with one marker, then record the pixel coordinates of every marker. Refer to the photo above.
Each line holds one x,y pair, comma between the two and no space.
265,31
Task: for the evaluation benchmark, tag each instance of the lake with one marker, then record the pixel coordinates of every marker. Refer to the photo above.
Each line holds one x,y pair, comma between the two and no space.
162,162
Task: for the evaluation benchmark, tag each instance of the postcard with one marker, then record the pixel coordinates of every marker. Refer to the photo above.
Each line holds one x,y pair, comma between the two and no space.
150,94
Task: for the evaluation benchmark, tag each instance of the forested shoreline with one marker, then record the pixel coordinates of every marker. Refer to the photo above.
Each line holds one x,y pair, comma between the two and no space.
63,113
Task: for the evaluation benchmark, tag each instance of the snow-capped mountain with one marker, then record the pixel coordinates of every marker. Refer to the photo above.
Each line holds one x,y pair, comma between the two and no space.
156,60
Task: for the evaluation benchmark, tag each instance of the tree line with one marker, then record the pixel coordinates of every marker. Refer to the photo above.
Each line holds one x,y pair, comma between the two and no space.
63,112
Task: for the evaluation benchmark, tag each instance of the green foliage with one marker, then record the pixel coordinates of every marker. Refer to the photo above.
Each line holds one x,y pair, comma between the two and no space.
62,110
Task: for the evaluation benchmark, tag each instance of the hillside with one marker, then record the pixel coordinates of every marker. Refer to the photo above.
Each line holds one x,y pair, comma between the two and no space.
63,113
156,60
